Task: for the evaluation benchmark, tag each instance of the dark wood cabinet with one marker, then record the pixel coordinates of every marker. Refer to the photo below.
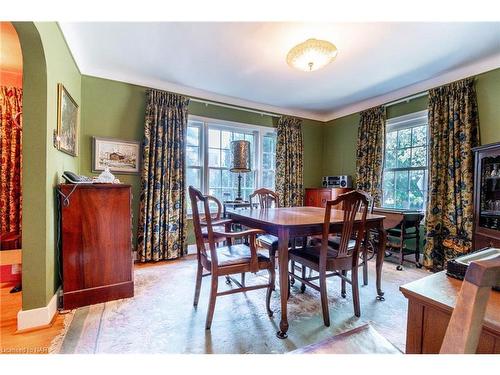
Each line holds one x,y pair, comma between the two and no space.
317,197
96,243
487,196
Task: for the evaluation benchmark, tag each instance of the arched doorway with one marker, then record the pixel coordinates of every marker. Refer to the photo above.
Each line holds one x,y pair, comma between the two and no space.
34,146
11,123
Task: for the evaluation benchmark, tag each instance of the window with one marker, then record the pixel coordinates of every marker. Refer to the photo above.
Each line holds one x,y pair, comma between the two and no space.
268,161
404,180
208,157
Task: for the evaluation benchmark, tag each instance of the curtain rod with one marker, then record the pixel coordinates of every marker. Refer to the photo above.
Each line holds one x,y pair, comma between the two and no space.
207,102
407,99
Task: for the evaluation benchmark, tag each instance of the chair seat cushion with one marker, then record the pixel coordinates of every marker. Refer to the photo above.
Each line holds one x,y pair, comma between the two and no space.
311,253
333,242
361,340
268,240
236,254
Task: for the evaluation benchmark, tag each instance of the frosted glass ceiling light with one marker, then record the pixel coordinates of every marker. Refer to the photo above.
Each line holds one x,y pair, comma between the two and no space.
313,54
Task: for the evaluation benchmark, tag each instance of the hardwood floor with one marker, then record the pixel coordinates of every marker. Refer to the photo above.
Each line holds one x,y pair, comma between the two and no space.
29,342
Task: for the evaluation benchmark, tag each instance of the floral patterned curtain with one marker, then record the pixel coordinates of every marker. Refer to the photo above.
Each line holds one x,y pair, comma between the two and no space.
289,164
370,152
162,215
454,131
11,137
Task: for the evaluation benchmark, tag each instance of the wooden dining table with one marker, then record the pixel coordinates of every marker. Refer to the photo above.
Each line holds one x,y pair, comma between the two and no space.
292,222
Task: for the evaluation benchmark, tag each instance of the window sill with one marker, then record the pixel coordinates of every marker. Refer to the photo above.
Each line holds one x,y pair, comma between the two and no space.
391,209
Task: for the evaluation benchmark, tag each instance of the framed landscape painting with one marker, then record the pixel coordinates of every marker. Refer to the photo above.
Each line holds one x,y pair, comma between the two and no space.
67,122
120,156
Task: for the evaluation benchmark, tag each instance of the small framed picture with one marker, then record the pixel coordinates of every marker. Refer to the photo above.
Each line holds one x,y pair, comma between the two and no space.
119,155
67,122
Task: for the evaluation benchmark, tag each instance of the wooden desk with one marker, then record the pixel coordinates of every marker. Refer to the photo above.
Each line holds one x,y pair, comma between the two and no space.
430,304
291,222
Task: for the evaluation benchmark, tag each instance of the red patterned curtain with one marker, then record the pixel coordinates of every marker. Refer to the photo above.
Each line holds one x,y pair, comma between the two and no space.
11,136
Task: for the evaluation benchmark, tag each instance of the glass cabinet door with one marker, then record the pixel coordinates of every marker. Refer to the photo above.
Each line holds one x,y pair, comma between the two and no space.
490,192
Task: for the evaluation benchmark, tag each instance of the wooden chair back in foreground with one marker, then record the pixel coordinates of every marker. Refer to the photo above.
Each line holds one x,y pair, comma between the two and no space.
462,334
227,260
266,198
464,328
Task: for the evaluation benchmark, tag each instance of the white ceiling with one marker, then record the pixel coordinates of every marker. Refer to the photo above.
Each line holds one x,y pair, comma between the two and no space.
244,63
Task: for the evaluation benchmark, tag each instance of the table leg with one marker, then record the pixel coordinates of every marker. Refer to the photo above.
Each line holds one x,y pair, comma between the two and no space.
382,237
283,238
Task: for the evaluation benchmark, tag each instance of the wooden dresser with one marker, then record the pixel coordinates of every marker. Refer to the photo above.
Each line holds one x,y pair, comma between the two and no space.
317,197
96,243
430,304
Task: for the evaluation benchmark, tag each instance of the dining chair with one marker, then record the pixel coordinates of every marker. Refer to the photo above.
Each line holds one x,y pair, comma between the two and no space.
463,331
267,199
226,260
219,224
367,249
335,257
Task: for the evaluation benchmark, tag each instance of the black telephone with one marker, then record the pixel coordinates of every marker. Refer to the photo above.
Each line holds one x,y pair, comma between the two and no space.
72,178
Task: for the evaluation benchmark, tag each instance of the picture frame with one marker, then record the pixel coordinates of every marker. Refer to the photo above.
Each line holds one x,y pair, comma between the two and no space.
121,156
68,119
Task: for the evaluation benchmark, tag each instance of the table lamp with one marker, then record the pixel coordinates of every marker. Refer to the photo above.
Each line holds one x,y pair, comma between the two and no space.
240,161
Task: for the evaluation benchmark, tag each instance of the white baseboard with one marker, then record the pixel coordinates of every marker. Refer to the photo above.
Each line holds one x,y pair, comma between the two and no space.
42,316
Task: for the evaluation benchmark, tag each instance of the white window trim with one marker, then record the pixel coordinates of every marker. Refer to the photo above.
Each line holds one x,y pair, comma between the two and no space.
403,122
406,121
258,131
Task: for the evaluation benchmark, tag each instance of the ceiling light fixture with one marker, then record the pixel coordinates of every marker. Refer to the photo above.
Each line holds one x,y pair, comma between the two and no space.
313,54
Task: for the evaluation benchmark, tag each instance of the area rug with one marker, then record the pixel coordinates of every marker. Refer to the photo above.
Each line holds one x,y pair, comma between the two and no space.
160,318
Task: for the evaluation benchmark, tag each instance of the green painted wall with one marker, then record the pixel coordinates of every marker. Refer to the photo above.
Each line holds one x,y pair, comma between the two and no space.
34,163
488,101
405,108
47,62
116,109
339,147
61,68
111,109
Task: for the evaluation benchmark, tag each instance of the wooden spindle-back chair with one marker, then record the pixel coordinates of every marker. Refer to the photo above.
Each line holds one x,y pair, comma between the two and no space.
227,260
267,199
337,258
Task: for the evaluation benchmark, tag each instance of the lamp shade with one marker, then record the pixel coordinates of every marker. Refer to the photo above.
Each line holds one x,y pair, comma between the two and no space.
240,156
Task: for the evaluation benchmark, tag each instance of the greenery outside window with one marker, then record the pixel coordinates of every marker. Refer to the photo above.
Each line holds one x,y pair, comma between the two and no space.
404,179
208,157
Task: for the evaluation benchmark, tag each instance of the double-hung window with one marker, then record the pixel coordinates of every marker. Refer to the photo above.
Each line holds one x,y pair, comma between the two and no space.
404,180
208,157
